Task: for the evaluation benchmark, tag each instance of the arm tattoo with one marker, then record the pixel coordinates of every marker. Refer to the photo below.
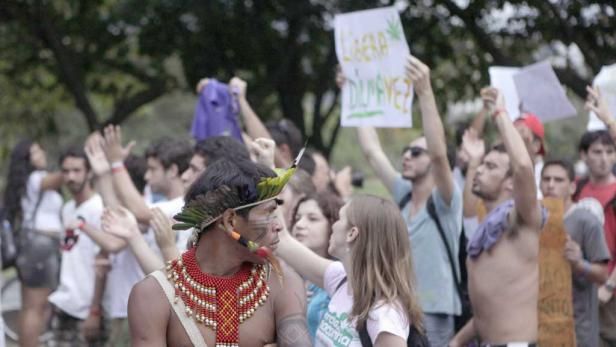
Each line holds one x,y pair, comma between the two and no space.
292,331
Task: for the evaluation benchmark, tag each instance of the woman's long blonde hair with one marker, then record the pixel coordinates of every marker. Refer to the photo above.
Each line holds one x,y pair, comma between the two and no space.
382,267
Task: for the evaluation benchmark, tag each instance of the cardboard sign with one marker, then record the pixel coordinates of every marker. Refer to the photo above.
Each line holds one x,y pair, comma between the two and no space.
555,306
541,93
502,78
606,81
534,88
372,51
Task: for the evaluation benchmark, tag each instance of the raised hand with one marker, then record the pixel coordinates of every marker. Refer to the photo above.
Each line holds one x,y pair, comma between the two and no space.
120,222
263,150
342,181
472,145
597,104
202,83
113,144
238,87
419,73
165,236
96,155
493,99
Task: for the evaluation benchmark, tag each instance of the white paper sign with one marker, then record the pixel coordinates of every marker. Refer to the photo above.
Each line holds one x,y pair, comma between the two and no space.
606,81
501,77
372,51
541,93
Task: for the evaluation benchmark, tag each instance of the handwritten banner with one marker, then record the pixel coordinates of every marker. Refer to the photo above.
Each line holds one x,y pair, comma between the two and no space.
555,306
372,51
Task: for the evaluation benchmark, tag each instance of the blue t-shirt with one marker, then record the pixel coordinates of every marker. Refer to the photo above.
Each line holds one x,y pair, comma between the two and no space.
317,306
435,282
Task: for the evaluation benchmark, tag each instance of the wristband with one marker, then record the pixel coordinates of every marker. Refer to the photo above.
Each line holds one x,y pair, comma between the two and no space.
82,222
585,268
117,166
609,285
95,312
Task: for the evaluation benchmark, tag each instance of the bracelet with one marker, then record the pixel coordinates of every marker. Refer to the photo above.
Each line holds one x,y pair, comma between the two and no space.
117,166
95,312
609,285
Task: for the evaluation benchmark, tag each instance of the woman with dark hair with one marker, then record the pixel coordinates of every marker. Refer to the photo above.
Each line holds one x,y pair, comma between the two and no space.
312,226
33,208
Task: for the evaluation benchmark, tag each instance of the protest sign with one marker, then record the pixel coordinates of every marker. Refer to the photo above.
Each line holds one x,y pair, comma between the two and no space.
372,51
555,305
501,77
541,93
606,81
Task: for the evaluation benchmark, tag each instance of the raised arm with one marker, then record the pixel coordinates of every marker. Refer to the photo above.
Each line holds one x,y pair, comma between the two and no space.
51,181
106,241
307,263
254,125
378,161
474,148
419,73
101,169
124,186
524,186
164,234
597,104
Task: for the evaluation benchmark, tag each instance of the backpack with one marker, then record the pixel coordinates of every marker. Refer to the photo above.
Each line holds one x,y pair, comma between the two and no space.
461,283
415,338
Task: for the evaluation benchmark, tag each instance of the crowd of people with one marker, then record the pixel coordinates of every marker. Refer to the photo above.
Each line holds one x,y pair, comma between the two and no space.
254,241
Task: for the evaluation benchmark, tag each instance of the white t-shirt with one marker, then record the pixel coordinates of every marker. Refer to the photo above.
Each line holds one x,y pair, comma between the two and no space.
76,289
336,330
124,274
170,208
48,215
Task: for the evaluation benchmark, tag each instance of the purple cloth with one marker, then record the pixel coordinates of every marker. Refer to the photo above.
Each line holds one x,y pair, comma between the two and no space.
216,113
493,227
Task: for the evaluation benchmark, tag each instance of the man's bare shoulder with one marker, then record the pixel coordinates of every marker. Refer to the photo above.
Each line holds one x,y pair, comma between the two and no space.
147,298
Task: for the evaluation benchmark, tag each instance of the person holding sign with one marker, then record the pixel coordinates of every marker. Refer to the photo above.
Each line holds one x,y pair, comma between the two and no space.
585,248
503,271
426,178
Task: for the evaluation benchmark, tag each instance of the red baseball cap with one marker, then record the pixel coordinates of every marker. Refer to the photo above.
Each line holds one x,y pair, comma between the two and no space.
533,123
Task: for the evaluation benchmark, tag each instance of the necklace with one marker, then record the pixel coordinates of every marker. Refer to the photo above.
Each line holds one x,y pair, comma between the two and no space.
221,303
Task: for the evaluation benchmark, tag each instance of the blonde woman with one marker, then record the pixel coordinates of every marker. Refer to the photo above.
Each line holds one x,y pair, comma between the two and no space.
371,284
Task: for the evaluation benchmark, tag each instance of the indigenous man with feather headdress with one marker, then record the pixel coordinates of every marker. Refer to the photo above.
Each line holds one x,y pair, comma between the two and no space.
228,289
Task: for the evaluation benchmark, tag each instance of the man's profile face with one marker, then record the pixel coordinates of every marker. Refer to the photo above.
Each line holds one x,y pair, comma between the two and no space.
555,183
600,159
195,169
156,175
74,174
262,225
491,175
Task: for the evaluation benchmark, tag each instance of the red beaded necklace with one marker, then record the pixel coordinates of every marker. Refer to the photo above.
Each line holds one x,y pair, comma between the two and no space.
221,303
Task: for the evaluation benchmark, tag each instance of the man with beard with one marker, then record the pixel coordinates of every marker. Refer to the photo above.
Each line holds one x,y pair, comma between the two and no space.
77,301
426,176
221,292
503,271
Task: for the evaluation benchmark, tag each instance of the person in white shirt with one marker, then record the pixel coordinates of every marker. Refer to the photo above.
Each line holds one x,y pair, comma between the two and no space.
77,300
371,243
33,209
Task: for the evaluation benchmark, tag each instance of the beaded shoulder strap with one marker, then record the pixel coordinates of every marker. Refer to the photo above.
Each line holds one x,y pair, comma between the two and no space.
178,307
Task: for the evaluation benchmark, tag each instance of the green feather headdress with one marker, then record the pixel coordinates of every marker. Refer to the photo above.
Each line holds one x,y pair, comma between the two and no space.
207,208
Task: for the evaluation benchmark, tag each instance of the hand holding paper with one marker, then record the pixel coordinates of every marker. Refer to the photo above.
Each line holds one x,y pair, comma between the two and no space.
419,73
597,104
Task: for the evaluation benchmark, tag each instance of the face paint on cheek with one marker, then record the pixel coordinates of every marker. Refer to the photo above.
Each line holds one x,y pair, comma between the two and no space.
262,226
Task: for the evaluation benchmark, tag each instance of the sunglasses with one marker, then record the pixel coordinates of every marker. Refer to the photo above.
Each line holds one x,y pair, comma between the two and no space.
415,151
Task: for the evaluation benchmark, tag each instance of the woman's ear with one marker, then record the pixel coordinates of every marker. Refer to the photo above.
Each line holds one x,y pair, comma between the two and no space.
352,235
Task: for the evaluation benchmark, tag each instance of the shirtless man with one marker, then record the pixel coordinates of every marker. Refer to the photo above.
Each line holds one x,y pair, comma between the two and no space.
503,270
235,221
